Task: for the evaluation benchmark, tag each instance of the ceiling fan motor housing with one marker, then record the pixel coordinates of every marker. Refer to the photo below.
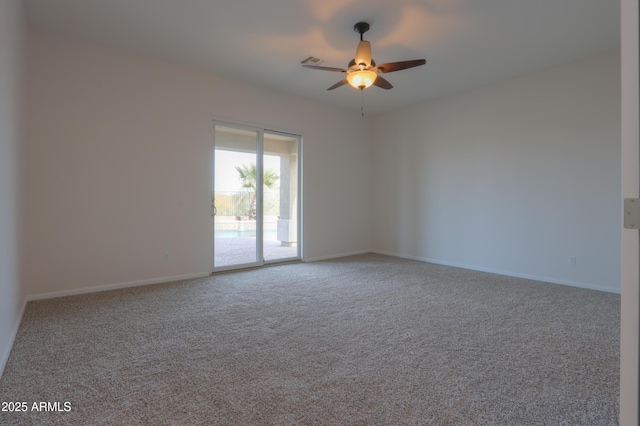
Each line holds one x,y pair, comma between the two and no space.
361,28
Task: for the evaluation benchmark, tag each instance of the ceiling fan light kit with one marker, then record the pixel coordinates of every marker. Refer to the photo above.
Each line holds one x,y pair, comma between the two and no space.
362,71
361,79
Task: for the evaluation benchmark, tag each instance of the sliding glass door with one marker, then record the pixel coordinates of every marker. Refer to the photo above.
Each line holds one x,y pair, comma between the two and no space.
235,197
256,197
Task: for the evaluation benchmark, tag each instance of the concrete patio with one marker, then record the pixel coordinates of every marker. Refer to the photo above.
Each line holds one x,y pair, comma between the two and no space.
239,250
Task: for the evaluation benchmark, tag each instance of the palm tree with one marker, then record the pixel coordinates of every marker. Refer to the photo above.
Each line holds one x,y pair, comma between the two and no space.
249,178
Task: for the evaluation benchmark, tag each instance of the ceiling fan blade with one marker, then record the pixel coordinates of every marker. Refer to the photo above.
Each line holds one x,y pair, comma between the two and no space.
338,84
402,65
363,53
315,67
381,82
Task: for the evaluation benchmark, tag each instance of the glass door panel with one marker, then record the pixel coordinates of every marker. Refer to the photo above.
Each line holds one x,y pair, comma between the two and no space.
237,216
280,205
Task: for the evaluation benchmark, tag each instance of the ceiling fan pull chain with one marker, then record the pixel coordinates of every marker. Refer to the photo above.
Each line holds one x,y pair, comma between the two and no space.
362,101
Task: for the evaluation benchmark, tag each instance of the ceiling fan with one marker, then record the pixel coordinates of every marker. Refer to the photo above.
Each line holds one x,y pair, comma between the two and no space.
362,71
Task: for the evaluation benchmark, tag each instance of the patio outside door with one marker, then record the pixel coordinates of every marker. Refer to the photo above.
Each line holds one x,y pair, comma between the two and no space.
255,204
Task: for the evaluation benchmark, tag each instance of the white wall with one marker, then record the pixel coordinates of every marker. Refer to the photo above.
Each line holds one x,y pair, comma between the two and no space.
513,178
12,59
116,140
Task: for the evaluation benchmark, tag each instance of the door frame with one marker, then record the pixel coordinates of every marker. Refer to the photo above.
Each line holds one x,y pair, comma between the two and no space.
630,300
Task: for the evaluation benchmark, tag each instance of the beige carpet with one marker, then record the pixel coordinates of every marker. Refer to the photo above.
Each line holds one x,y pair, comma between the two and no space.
366,340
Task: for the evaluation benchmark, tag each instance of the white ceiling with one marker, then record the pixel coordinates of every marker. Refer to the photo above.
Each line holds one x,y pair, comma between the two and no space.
467,43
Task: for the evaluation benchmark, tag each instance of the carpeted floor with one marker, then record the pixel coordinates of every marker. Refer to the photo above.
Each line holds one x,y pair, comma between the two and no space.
360,340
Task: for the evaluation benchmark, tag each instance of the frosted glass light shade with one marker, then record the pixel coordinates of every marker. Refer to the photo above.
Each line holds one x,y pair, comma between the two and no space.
361,79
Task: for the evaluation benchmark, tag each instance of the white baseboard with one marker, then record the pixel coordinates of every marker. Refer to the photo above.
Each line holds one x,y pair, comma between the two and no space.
14,333
116,286
502,272
335,256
